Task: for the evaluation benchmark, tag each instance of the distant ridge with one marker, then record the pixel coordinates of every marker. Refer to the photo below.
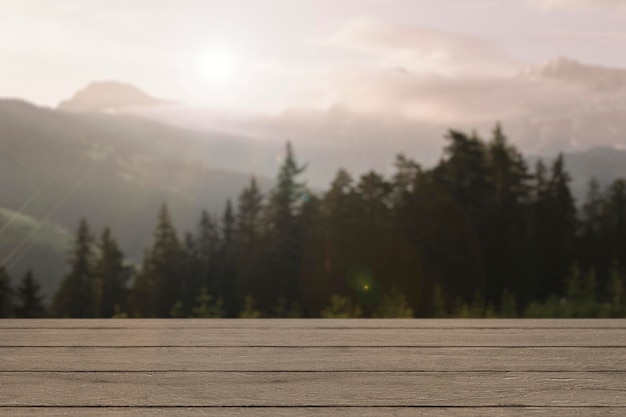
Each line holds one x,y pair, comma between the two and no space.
109,96
570,70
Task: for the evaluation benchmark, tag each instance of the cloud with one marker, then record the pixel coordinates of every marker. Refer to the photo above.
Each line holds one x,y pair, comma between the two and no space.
421,49
577,35
444,99
574,5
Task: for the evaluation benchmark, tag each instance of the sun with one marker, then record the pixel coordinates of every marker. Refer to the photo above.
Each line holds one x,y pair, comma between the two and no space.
221,66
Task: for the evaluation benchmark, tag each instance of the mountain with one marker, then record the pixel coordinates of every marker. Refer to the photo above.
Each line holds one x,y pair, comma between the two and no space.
109,96
572,71
34,243
602,163
115,170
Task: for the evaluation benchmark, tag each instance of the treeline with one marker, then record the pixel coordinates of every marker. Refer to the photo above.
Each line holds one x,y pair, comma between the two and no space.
481,234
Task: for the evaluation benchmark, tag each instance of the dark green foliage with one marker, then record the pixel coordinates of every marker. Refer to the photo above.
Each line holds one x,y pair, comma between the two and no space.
477,235
248,219
249,245
6,294
75,296
206,307
203,253
283,254
227,265
394,305
29,297
341,308
158,285
506,241
110,277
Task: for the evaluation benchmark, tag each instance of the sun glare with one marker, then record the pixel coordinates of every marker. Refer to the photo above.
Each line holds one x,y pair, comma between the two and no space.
221,66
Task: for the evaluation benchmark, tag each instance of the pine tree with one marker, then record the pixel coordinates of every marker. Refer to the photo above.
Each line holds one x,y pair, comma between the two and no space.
6,294
375,198
456,211
554,227
158,285
407,172
110,277
227,267
615,223
207,243
593,249
75,296
249,227
191,277
338,203
248,219
284,236
506,240
29,297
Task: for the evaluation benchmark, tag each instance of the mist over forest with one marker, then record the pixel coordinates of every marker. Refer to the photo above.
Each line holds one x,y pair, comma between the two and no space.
483,233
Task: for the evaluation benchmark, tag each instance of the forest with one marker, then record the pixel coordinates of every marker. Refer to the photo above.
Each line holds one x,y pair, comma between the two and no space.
480,234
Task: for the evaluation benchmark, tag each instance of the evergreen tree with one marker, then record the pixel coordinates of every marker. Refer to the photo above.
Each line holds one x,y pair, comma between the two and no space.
447,216
30,298
506,241
207,242
248,219
615,221
75,296
282,263
158,285
191,277
6,294
339,203
407,172
249,237
375,198
593,249
110,277
227,270
554,226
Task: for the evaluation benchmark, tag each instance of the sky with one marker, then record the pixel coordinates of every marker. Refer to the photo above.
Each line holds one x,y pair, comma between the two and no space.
277,54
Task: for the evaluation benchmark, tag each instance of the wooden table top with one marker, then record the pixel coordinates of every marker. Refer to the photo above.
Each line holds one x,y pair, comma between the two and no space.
98,368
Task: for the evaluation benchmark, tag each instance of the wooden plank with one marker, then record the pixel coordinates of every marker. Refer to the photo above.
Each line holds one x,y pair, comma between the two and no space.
317,412
313,359
243,367
307,337
315,323
312,389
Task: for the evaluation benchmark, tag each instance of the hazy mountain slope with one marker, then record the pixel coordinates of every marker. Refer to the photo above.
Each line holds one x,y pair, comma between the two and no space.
113,170
108,96
603,164
34,244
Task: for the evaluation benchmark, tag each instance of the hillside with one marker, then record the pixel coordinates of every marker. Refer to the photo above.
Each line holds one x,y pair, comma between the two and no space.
116,170
108,96
57,167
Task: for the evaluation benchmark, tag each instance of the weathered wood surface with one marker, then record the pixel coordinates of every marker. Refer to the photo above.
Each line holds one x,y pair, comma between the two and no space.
312,368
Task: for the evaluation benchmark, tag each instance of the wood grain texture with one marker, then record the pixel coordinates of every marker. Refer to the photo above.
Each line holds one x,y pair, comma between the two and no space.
317,412
298,337
486,389
314,323
462,368
313,359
